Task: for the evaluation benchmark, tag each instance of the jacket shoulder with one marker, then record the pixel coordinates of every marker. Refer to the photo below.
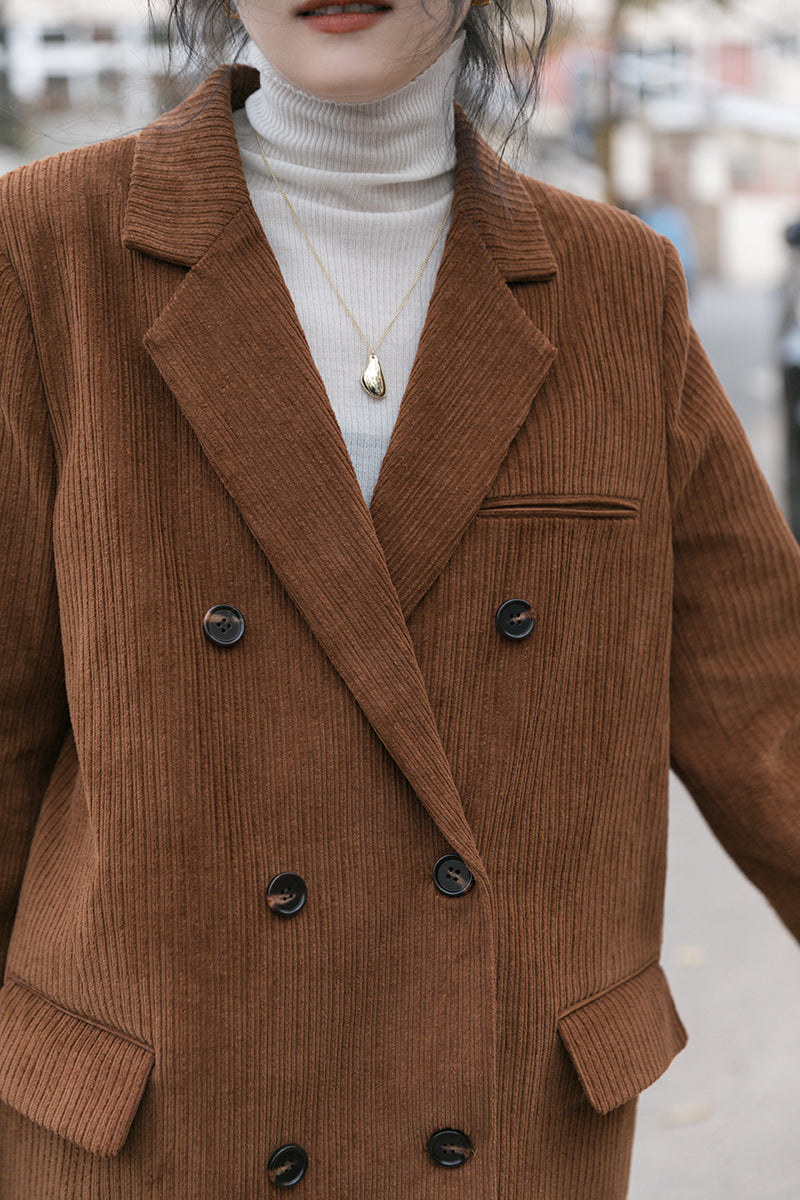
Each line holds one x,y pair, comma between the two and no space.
55,199
597,238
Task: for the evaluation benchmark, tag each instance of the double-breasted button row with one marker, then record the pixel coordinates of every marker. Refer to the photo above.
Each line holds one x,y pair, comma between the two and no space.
447,1148
224,625
287,892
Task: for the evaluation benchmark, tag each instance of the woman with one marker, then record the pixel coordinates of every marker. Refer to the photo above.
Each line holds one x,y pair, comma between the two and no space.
335,776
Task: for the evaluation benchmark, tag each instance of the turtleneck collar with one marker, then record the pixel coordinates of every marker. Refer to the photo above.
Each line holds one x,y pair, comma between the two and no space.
397,152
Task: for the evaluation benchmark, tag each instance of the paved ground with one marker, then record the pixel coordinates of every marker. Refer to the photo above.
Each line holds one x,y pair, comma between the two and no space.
722,1124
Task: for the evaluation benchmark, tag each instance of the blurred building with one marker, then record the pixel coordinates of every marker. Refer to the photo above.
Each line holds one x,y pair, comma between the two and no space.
57,51
702,111
76,71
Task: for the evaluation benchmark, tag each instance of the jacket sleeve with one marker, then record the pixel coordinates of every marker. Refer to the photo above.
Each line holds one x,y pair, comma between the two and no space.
33,709
735,664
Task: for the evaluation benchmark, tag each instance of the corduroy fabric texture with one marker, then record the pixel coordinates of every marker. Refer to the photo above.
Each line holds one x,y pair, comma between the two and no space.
166,445
620,1039
93,1079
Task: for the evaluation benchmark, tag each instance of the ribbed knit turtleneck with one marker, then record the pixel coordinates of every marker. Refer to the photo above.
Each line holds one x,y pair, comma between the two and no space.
371,184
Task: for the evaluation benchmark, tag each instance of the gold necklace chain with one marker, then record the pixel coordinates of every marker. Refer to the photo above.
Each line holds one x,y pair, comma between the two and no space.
372,380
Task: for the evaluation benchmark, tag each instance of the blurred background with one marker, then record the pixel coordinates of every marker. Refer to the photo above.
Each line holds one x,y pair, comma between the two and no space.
687,112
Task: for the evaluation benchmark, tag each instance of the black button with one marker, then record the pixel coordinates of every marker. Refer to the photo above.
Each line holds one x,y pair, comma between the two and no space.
286,894
515,620
452,876
450,1148
287,1166
223,625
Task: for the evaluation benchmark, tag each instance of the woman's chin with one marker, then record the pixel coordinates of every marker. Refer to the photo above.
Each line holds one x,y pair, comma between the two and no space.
346,87
357,69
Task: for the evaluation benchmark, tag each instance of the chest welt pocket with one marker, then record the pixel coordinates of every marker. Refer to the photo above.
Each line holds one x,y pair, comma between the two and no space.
77,1079
601,508
623,1039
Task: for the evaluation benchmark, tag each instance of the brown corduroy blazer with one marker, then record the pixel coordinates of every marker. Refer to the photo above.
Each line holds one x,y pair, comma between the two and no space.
166,445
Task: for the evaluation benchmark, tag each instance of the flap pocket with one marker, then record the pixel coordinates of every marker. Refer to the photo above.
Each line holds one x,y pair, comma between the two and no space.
80,1080
623,1039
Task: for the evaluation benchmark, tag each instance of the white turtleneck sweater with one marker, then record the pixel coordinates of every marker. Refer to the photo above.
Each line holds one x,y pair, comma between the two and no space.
371,184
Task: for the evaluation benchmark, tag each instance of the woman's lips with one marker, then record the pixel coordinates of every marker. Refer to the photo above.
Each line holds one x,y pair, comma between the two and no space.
347,20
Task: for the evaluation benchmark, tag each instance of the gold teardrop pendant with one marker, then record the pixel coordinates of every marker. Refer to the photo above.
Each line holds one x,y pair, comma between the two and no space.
372,380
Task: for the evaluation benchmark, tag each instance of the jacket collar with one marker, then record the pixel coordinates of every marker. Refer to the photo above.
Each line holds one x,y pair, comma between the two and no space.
187,185
229,346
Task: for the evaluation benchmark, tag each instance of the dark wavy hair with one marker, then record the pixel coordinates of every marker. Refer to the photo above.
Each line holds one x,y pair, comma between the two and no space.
500,67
